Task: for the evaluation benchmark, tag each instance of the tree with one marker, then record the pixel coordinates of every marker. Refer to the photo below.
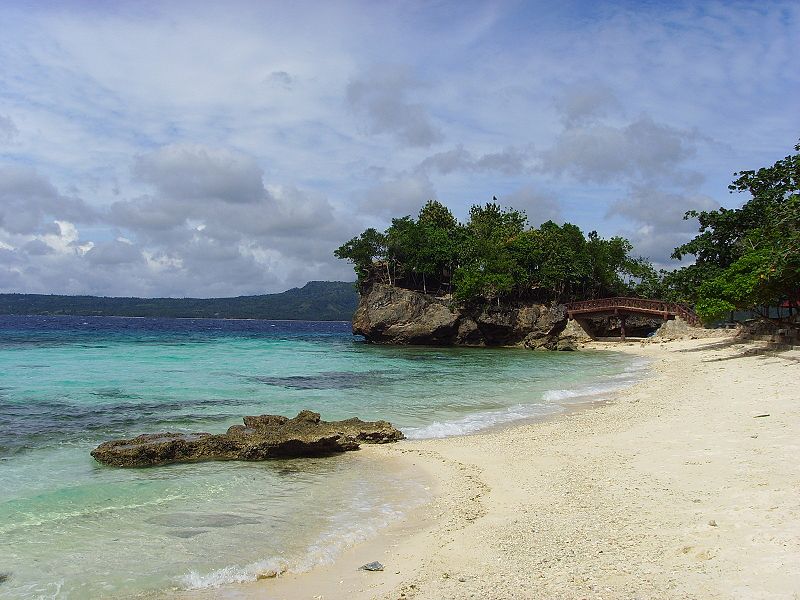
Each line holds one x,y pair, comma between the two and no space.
643,280
552,258
749,257
439,232
493,255
487,268
362,251
436,215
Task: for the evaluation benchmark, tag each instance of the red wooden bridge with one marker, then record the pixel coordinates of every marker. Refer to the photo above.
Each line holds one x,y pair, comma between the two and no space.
622,307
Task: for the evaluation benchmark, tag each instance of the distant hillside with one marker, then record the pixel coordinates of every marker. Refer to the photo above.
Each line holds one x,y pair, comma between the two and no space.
315,301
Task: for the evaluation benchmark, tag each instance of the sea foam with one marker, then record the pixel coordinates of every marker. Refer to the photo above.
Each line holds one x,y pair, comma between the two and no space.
551,402
363,520
477,421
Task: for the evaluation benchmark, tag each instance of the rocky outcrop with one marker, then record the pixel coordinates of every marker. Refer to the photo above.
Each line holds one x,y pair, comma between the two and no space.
262,437
391,315
573,337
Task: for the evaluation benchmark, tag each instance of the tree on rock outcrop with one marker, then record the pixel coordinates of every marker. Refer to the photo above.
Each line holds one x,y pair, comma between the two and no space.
362,251
493,256
487,268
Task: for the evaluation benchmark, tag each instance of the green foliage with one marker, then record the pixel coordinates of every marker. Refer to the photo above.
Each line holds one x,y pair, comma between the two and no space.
422,249
495,255
552,257
643,279
437,216
737,286
362,251
750,256
487,268
681,285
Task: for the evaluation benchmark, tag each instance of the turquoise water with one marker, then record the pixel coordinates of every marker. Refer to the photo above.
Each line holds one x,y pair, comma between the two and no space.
71,528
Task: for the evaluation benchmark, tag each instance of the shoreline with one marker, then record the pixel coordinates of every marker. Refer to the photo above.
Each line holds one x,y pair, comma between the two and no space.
673,488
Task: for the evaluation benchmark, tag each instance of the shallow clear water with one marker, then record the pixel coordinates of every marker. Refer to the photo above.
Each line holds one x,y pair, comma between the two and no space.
71,528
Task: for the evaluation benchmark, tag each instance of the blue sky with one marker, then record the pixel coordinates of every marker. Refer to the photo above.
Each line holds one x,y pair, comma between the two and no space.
207,149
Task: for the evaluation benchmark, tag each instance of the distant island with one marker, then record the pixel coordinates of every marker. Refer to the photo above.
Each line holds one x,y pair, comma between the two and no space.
315,301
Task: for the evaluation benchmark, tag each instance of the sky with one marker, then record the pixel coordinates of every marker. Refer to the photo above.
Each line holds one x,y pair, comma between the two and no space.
219,149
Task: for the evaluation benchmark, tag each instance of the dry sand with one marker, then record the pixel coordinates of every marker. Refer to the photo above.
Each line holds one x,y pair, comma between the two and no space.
678,488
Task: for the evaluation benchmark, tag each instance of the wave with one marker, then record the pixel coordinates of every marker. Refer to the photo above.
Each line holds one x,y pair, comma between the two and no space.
552,402
233,574
477,421
363,521
586,391
47,518
612,383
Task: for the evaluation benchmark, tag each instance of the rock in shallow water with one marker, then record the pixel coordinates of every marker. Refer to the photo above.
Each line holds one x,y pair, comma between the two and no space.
260,438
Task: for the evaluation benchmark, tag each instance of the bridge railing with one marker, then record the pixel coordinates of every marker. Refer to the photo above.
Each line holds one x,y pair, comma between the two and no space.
642,304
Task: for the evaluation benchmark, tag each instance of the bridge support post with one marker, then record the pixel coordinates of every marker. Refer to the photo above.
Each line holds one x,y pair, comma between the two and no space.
622,327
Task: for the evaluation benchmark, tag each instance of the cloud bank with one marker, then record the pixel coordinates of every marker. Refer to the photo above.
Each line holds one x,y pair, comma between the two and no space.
191,149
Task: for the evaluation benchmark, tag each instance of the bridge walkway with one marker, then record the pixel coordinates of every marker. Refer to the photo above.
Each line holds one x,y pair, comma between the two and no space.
623,307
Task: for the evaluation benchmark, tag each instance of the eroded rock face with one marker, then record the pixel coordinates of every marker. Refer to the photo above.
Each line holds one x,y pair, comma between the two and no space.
387,314
262,437
573,336
390,315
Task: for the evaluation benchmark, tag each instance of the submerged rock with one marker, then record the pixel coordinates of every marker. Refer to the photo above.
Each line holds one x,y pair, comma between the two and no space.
261,437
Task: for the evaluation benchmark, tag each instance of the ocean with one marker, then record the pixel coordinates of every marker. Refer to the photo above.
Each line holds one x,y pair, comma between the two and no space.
72,528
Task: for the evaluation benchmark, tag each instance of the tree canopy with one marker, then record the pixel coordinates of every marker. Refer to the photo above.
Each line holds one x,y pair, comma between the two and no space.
495,254
748,257
745,258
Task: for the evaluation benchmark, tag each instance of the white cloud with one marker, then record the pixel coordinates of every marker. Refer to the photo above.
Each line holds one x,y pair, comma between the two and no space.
29,202
195,172
397,197
639,149
657,219
66,240
509,161
382,96
587,101
235,146
538,205
113,253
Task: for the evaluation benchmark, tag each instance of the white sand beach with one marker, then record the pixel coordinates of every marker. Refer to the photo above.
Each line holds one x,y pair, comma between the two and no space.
686,485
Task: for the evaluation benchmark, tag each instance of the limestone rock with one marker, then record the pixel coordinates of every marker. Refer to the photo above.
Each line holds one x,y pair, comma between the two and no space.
468,333
391,315
262,437
399,316
572,336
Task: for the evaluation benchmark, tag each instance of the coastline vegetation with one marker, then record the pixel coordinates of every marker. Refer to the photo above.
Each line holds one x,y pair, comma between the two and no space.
745,258
494,256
